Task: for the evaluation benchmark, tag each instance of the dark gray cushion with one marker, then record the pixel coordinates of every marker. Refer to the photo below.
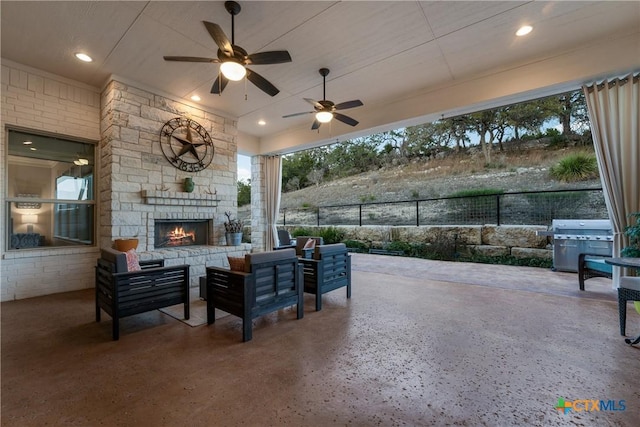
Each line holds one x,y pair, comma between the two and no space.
261,257
326,249
117,258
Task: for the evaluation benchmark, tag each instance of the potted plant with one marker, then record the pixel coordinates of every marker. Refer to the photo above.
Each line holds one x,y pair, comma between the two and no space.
633,232
233,229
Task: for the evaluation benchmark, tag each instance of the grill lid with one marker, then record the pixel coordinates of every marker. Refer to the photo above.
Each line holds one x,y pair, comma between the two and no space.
580,229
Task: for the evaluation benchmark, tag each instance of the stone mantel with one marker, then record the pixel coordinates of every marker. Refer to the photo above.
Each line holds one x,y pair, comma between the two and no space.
170,198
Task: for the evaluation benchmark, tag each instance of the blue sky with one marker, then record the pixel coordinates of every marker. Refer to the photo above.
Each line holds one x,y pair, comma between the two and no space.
244,168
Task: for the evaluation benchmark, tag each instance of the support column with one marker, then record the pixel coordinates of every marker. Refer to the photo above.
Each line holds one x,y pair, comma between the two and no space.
258,211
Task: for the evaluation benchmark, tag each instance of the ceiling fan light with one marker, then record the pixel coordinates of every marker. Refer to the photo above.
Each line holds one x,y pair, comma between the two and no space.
324,116
233,71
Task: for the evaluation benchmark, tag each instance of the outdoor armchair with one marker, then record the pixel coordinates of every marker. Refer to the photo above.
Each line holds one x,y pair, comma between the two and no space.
121,293
270,281
329,269
284,240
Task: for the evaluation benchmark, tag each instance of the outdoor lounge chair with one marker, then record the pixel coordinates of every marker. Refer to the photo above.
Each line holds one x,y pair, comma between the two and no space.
284,240
270,281
301,241
329,269
122,293
592,265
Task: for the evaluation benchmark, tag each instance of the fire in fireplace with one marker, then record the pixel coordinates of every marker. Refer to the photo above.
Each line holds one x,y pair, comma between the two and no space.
170,234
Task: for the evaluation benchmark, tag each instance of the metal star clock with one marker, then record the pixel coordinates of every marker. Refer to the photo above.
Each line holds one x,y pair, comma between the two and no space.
186,144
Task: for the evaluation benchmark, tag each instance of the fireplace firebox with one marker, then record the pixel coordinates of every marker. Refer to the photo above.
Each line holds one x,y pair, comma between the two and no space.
171,233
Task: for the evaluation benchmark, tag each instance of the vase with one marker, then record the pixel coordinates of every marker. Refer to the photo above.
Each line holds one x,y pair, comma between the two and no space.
233,239
188,185
123,245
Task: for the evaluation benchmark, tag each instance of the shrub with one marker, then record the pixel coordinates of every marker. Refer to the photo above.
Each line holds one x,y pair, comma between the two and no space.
509,260
575,167
331,235
367,198
301,231
357,246
404,247
633,232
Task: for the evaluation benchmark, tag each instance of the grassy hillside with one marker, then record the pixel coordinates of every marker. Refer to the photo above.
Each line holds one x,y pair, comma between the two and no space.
511,171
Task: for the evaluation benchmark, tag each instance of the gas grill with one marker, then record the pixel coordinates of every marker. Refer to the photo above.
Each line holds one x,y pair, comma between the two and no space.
571,237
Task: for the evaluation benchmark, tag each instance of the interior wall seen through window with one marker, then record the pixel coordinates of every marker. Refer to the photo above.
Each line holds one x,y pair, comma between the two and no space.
50,191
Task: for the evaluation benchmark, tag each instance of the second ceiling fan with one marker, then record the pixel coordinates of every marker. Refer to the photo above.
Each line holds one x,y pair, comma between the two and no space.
234,59
326,110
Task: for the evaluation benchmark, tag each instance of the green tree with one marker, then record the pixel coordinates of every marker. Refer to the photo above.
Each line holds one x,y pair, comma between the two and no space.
244,193
569,108
297,165
529,116
484,124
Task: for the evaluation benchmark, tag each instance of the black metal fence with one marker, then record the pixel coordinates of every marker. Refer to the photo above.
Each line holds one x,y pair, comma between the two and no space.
517,208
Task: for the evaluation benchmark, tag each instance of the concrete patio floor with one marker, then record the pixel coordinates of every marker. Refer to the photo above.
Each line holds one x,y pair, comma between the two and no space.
420,343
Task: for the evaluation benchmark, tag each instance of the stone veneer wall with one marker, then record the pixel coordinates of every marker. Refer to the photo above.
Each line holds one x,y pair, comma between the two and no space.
35,100
138,185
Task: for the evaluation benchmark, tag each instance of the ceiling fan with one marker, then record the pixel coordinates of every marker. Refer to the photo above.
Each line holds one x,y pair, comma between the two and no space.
326,110
234,59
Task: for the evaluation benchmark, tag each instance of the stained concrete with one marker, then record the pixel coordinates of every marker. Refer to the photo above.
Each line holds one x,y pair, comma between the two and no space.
420,343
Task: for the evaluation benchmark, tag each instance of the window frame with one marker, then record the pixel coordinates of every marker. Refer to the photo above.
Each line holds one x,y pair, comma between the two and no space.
54,202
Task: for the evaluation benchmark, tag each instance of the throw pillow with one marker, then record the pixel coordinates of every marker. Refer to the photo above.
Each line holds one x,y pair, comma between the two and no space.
133,263
311,243
236,263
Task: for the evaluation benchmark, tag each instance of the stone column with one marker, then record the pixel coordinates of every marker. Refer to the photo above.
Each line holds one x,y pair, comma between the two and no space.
258,212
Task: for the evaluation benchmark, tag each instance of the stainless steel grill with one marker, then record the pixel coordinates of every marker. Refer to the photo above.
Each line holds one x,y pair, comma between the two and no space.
571,237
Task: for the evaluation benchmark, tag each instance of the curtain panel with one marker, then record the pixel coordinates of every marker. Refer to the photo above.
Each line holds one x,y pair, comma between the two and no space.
273,187
614,113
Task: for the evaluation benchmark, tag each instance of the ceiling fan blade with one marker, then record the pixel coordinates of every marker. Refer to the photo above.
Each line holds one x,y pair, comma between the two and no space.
315,103
219,37
349,104
219,84
298,114
273,57
345,119
316,125
190,59
262,83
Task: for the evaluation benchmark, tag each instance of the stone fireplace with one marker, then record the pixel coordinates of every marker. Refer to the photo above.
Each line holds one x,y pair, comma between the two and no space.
179,220
143,194
171,234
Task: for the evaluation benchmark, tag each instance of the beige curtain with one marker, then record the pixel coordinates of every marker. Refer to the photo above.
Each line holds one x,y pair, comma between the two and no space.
273,186
615,126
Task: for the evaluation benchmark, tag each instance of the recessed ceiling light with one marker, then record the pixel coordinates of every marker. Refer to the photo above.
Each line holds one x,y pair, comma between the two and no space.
262,122
27,142
195,98
32,148
524,30
83,57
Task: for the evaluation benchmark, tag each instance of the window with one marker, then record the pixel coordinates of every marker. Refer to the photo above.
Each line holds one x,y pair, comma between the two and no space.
51,191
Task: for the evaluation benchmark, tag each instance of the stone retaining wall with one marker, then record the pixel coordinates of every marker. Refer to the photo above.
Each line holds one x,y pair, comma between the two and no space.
518,241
